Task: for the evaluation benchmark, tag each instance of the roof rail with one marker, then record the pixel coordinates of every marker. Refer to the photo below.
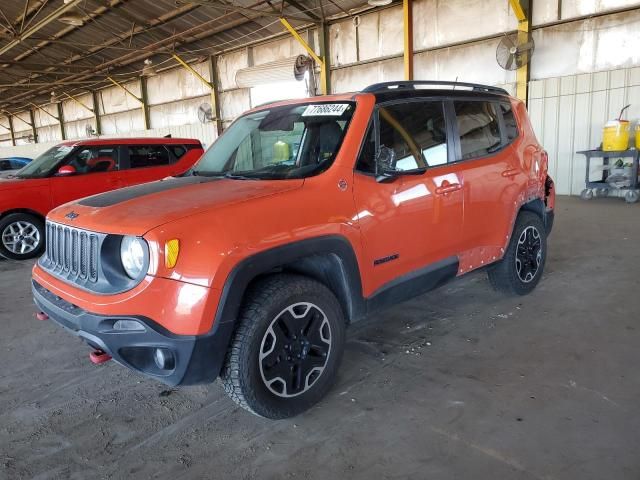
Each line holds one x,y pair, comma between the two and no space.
412,84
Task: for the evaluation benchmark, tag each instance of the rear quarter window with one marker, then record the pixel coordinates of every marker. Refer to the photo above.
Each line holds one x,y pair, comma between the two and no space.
478,128
510,124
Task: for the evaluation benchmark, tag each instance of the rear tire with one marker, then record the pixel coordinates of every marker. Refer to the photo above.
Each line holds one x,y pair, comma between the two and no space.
287,347
21,236
520,269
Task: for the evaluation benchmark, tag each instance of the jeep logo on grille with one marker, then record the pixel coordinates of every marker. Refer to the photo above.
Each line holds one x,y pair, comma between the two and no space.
72,215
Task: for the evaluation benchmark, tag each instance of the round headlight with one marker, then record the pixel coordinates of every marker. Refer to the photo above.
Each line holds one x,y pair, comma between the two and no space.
132,255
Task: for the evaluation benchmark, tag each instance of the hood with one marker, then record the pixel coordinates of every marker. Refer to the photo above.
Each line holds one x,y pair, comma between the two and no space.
136,210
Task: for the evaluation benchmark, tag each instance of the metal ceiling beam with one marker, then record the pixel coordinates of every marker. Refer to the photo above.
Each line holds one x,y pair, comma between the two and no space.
295,4
39,25
138,30
247,10
163,46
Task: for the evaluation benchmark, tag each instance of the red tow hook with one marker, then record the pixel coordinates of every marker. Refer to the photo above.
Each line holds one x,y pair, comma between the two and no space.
42,316
98,356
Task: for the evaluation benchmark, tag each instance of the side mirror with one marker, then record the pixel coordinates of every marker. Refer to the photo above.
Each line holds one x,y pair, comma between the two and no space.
66,170
385,161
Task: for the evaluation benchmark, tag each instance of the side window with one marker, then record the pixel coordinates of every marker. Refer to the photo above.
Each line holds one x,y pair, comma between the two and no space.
478,128
177,150
416,133
141,156
94,159
510,125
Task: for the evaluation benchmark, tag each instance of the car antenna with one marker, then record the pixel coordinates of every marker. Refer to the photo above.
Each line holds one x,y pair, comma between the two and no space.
456,83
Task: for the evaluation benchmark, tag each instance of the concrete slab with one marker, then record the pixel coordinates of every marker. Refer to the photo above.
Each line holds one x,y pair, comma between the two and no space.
459,383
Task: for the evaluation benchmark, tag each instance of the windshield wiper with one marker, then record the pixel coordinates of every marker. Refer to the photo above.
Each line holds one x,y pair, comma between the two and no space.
238,177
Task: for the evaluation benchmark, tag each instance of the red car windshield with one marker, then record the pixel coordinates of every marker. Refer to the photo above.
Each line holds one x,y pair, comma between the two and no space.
45,164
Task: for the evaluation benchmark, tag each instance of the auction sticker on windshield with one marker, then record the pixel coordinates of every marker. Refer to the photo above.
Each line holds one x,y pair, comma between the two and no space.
326,109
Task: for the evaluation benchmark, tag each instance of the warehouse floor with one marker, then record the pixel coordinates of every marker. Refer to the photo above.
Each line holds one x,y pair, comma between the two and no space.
459,383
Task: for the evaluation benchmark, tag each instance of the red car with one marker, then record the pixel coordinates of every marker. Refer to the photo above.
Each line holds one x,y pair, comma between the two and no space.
77,169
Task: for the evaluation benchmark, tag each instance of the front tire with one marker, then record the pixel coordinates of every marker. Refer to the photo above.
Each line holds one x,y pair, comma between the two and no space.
21,236
287,347
520,269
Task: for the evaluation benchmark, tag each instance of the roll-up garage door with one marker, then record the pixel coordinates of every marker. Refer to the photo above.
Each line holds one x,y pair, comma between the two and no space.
287,69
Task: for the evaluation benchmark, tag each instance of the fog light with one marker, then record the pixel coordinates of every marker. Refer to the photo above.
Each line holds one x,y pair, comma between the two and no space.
164,359
128,325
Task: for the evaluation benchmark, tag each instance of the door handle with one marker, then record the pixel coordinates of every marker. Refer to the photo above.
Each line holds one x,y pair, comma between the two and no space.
451,187
511,172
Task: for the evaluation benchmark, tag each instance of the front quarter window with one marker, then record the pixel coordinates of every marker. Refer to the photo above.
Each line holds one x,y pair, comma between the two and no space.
293,141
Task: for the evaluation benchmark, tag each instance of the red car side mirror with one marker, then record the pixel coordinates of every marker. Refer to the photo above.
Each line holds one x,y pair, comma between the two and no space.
66,170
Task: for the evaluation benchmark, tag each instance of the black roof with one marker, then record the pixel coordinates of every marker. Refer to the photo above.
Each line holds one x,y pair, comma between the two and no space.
422,88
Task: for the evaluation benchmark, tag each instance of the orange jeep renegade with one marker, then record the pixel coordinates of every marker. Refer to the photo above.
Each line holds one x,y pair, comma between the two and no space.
305,216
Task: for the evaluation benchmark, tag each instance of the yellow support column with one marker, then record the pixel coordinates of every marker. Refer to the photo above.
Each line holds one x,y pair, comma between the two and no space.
407,7
322,62
215,104
521,9
141,101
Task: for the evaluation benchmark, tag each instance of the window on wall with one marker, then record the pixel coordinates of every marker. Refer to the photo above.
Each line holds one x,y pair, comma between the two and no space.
510,125
478,128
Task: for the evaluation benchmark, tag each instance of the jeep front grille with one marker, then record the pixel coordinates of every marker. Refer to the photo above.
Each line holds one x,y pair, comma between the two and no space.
72,253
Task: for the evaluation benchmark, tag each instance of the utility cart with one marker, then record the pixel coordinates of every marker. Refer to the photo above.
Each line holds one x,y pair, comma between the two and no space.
605,187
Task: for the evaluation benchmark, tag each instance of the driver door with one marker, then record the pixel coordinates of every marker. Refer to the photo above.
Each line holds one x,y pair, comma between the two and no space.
413,221
96,172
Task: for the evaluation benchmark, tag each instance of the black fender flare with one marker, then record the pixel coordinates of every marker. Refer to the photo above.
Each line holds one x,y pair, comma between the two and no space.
337,268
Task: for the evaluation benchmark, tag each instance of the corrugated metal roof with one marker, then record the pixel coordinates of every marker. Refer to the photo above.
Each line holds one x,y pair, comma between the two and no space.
118,35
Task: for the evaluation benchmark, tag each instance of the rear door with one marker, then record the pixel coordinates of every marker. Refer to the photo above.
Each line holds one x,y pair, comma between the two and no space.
97,171
413,221
148,162
493,178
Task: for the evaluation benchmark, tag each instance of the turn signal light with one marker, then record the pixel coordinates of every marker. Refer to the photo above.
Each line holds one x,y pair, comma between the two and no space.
171,251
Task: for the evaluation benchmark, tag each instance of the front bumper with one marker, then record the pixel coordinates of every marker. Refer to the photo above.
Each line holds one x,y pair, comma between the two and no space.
194,359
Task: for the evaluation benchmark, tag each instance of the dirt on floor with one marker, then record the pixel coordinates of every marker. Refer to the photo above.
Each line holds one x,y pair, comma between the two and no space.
460,383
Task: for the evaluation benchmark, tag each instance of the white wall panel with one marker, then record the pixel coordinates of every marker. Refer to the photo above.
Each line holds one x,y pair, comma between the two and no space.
342,42
49,134
568,114
72,111
177,83
474,62
590,45
78,129
228,65
380,34
358,77
442,22
121,123
20,125
114,99
278,49
4,131
234,103
42,119
172,114
577,8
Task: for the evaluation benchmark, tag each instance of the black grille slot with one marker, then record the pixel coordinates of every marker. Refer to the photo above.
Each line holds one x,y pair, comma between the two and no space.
73,252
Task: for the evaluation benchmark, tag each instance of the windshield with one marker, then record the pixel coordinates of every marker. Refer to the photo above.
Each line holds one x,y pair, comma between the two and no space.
44,165
293,141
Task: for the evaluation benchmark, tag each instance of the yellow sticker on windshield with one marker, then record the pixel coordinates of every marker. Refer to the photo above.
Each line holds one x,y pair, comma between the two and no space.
325,110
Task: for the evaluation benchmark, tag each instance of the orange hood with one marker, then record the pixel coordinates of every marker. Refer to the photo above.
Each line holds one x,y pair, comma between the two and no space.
136,210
